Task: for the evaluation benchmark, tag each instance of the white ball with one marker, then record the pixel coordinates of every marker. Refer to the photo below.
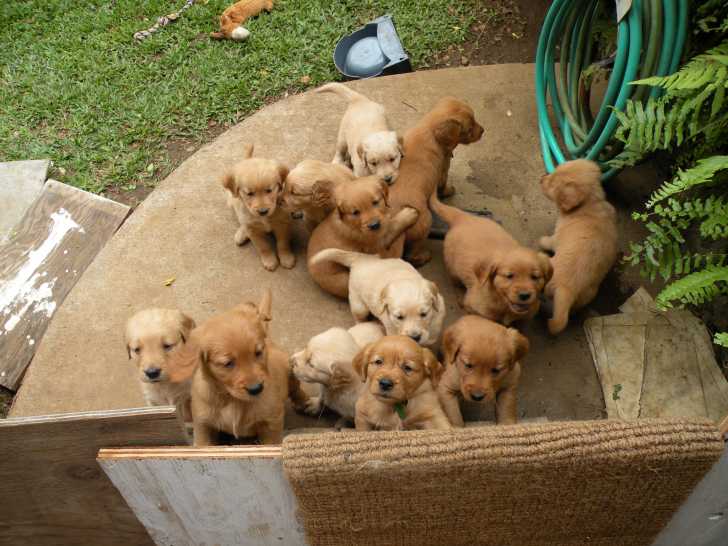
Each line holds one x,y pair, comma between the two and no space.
240,34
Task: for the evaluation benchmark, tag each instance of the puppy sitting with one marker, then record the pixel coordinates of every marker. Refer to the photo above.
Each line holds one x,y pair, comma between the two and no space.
361,221
242,379
298,194
429,146
399,393
232,19
365,139
326,360
151,336
254,186
482,360
585,240
392,291
502,279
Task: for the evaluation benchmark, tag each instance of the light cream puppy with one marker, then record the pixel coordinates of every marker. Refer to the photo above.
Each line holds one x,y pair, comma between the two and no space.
326,360
151,336
365,139
392,291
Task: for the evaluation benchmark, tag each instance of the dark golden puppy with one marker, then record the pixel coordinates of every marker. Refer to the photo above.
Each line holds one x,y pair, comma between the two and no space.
362,221
254,187
399,393
482,360
502,279
428,148
242,380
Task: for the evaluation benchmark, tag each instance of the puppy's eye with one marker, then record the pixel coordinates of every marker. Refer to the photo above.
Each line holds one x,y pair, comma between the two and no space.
399,316
249,193
495,371
407,368
393,158
137,350
258,352
375,202
268,190
423,314
168,346
535,276
508,275
355,212
378,362
468,366
373,163
229,364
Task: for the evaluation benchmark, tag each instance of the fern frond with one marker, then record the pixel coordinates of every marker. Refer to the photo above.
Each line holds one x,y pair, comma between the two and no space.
700,71
701,173
695,288
721,338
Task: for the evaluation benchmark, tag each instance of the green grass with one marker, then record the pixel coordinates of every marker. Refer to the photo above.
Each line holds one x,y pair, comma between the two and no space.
75,87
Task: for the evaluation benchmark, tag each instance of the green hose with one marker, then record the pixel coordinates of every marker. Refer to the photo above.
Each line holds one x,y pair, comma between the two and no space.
650,41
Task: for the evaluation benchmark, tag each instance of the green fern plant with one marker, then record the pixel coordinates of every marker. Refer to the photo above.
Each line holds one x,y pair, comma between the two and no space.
690,121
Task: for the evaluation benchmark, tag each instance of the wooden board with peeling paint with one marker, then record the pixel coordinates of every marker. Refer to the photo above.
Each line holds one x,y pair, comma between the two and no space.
51,246
219,495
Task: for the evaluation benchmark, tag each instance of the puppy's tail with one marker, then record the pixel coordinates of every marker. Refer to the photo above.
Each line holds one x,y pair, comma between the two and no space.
449,214
341,90
563,300
248,151
336,255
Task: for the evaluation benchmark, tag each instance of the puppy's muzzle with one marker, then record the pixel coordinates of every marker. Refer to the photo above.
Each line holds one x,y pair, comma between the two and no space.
477,396
297,214
374,225
153,373
417,336
524,296
385,384
255,390
388,179
263,211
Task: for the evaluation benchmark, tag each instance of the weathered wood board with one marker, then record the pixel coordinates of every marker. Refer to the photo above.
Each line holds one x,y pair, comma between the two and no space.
53,491
20,184
221,495
57,238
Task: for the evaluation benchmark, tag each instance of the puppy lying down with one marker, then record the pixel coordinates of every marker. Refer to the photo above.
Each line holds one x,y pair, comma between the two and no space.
392,291
152,335
400,386
326,360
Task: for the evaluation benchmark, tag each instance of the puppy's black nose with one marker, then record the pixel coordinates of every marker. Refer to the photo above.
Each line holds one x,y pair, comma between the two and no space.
262,212
152,373
388,178
375,225
385,384
255,389
524,296
416,336
477,396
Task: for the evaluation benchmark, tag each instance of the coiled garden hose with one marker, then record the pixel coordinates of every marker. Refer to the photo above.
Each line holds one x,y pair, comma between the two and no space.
650,41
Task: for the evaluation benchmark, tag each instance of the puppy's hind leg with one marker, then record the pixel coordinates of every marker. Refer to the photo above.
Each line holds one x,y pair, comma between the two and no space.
359,309
563,300
299,398
341,155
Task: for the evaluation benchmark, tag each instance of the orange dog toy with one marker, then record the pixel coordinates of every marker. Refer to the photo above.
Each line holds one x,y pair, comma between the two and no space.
232,19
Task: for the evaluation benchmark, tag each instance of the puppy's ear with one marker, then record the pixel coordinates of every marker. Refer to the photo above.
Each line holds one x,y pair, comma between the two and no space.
433,367
323,193
184,360
435,293
546,266
381,302
520,344
283,173
264,307
485,272
128,351
361,361
186,325
361,153
228,182
400,145
248,151
569,195
450,345
447,133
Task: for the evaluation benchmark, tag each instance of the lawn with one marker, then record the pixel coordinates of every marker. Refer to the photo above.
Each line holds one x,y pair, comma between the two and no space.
75,86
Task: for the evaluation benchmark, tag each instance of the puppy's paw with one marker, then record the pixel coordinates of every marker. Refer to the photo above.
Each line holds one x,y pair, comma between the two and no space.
241,236
409,215
288,259
312,406
546,243
270,262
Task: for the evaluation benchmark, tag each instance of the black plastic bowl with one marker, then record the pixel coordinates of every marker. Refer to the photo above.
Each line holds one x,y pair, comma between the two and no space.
373,50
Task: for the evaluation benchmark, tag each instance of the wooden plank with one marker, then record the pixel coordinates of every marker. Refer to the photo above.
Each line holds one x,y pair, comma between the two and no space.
20,184
52,245
703,519
224,495
53,491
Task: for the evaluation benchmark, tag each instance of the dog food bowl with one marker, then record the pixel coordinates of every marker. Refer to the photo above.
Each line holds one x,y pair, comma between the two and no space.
374,50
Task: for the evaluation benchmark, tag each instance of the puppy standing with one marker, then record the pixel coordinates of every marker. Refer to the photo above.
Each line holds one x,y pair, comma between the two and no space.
585,240
298,192
361,221
151,336
399,393
242,380
502,279
254,187
482,361
428,148
394,292
327,359
365,138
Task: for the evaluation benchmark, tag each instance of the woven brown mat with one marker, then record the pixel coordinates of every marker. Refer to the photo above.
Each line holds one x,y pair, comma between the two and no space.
604,483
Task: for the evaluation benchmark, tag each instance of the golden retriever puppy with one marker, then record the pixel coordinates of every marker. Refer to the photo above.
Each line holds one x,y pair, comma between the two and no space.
393,292
482,363
242,380
151,337
362,221
428,148
399,393
502,278
326,360
298,194
254,187
232,19
365,139
585,240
